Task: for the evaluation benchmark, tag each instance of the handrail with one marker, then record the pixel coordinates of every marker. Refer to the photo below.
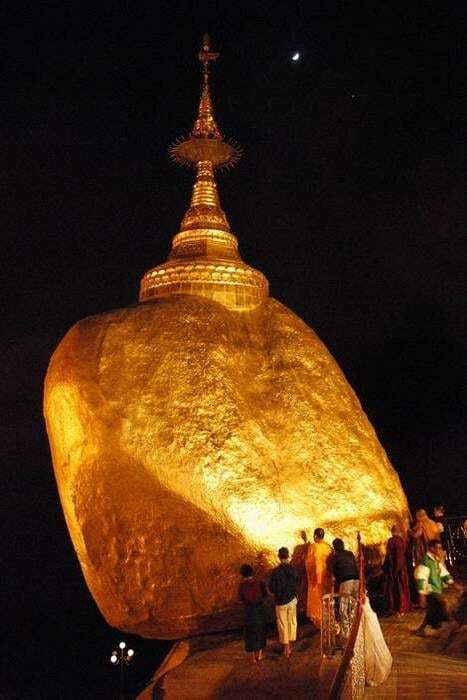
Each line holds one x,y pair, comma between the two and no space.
453,538
339,679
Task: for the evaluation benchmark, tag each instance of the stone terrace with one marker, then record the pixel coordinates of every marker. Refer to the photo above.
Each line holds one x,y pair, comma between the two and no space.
420,669
224,670
217,668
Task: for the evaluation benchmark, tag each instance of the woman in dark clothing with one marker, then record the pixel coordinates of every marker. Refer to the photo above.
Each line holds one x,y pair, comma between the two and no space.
252,594
376,587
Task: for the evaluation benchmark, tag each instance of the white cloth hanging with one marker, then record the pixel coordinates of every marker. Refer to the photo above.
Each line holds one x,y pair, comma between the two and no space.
378,659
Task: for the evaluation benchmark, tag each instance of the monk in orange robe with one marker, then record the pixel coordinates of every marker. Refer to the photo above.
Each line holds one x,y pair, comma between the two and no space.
422,532
319,573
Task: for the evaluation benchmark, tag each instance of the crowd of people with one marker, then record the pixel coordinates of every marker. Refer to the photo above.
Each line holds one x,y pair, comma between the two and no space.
412,574
323,566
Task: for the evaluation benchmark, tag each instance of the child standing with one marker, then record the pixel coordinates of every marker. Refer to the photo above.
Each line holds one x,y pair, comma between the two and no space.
252,594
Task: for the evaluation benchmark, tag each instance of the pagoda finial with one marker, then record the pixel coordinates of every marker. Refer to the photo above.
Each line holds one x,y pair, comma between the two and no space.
205,125
206,56
206,142
204,260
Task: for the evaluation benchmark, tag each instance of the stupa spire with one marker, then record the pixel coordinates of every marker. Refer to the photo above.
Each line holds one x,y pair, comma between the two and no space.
204,259
205,126
205,141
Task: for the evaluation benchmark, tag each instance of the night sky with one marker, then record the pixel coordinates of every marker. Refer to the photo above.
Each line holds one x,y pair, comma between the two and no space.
350,197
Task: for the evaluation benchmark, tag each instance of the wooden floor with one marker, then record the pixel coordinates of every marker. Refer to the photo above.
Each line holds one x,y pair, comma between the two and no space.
420,670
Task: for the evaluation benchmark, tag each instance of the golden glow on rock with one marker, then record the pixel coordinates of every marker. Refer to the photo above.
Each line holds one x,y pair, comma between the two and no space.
188,438
204,428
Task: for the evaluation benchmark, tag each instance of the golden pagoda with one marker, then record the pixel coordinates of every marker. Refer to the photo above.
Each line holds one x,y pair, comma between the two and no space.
204,259
205,427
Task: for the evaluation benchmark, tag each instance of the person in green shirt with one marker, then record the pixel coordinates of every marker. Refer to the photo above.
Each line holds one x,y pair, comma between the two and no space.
431,578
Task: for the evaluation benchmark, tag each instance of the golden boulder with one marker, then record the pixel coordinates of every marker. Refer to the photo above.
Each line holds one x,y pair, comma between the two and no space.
203,428
188,438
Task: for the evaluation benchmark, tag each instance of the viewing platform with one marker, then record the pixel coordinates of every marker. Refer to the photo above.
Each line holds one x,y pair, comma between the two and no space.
217,667
421,668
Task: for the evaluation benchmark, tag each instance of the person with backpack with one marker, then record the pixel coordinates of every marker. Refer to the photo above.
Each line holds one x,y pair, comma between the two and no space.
252,594
283,586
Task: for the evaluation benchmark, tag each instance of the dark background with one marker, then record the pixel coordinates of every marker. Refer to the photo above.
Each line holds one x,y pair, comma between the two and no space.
350,198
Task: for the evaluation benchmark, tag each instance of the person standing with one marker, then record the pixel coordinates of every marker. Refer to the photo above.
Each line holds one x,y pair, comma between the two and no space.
439,515
283,586
319,574
375,586
397,584
298,562
252,594
345,571
423,530
432,577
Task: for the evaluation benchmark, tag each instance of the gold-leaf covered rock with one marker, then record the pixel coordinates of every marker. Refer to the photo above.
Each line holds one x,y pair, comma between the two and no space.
188,438
204,428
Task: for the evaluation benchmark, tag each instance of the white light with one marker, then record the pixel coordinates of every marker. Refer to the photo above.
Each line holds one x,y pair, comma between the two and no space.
122,645
296,56
113,658
130,652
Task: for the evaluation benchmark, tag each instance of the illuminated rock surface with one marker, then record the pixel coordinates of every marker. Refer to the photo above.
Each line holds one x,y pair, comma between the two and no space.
189,436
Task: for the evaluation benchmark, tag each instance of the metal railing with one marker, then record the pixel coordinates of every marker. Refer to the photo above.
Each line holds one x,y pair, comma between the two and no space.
338,611
348,682
454,539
